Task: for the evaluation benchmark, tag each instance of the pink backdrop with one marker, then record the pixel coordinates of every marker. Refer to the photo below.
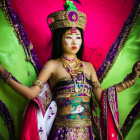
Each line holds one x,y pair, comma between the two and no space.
104,21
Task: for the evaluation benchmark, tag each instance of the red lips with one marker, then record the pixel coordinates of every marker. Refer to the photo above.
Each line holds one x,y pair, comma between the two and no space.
74,47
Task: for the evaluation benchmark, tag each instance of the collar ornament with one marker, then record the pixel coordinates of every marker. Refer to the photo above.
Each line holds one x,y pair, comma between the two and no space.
70,60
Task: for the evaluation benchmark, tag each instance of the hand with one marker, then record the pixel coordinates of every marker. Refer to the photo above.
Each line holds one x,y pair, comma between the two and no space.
136,71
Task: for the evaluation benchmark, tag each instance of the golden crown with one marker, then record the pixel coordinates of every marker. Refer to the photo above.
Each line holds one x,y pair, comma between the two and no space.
69,17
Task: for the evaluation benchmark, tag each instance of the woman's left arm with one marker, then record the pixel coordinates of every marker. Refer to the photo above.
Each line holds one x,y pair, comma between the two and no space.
128,82
130,79
96,86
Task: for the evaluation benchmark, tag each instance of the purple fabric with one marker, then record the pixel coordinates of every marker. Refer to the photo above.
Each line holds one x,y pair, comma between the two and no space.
8,121
62,132
17,23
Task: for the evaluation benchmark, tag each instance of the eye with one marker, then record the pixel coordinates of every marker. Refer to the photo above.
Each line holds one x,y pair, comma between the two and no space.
69,37
78,37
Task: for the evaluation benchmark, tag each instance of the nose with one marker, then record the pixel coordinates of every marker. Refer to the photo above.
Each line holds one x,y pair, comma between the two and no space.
74,42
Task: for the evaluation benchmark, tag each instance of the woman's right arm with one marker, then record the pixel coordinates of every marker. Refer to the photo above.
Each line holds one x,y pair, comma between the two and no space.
31,92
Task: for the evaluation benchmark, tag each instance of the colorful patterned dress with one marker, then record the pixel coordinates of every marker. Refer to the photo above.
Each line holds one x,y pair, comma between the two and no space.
73,121
70,118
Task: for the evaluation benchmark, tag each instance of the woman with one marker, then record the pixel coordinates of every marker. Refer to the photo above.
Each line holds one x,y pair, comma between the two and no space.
72,82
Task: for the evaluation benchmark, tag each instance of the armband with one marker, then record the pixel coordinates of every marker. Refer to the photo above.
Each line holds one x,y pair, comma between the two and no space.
96,85
38,83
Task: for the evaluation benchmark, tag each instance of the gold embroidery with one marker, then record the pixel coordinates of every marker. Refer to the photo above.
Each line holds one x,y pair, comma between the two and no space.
45,98
73,123
74,17
59,20
72,96
80,133
96,85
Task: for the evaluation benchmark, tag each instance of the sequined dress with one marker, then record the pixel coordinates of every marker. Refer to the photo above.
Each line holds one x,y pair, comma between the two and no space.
73,121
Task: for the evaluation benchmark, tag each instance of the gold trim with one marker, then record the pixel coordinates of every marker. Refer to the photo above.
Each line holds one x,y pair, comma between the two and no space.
61,93
68,78
96,85
60,20
38,83
72,95
73,122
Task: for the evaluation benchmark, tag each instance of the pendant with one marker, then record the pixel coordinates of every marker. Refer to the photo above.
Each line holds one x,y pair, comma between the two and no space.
76,89
79,82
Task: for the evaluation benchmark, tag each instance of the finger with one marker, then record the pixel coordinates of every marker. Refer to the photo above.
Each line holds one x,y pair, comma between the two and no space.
138,67
138,63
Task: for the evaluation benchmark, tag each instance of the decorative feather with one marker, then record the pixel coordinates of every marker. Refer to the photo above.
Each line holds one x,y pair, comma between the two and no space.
77,1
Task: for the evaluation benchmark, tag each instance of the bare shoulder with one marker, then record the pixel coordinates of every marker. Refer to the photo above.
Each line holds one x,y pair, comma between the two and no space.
88,65
53,63
48,69
88,68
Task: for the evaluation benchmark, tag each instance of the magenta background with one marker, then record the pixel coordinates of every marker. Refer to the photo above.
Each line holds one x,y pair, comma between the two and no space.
104,21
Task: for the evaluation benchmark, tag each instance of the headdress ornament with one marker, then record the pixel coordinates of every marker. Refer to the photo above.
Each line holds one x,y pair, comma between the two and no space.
69,17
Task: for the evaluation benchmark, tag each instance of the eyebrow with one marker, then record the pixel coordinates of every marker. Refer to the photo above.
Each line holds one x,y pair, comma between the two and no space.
71,34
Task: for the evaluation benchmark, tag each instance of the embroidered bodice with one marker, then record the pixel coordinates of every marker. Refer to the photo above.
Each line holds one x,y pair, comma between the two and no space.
71,105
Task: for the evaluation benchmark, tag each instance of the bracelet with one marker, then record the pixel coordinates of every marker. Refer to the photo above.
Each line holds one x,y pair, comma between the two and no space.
38,83
124,85
131,83
96,85
7,81
127,84
118,89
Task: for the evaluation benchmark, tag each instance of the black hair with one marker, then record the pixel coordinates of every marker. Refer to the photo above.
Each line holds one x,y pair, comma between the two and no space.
57,43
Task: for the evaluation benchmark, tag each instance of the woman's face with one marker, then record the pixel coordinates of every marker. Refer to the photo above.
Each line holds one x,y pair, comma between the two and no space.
71,42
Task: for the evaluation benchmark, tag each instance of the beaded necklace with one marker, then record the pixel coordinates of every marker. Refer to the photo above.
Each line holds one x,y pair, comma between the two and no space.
77,74
69,60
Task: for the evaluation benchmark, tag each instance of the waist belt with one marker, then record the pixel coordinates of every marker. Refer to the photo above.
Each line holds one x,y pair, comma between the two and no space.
73,122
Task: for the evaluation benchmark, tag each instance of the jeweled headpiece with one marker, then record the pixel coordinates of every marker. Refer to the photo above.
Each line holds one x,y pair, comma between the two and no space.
69,17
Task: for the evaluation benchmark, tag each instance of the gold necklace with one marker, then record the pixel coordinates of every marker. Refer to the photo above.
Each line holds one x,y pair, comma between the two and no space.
77,74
